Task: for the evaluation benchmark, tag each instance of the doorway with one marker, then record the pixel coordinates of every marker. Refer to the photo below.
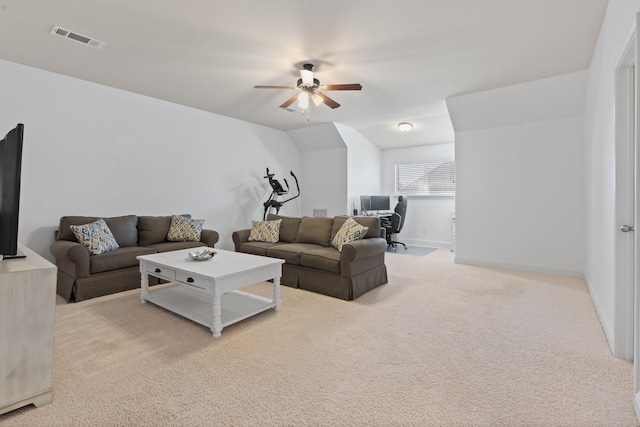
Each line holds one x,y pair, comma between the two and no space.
625,204
627,286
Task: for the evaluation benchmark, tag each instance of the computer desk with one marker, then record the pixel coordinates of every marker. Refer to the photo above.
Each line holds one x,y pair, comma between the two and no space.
385,217
378,214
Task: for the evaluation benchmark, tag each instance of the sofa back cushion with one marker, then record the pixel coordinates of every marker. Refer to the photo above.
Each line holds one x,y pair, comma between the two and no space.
372,222
154,229
315,230
123,228
288,227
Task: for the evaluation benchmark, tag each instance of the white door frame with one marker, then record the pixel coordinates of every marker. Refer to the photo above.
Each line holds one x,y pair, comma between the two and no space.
636,245
625,200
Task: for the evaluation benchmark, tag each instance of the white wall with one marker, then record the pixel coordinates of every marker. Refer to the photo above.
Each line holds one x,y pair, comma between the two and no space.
519,197
325,178
338,165
323,169
600,148
520,185
428,221
364,166
94,150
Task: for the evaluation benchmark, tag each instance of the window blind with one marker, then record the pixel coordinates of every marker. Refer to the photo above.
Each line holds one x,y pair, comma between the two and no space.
426,179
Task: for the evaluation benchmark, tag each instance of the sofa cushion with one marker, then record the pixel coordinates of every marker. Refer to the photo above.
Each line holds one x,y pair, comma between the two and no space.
349,232
315,230
291,252
154,229
95,236
288,227
326,259
174,246
184,229
123,228
119,259
371,222
265,231
257,248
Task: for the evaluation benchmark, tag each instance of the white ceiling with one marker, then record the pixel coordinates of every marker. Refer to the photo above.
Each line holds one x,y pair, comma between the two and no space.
409,55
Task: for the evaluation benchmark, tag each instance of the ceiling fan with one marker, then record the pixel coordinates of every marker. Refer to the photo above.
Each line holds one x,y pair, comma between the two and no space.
310,88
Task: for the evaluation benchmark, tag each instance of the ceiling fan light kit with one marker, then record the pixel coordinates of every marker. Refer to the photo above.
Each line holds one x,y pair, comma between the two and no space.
303,100
310,87
307,75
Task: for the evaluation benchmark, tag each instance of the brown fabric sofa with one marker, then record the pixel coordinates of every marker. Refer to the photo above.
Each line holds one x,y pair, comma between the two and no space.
311,263
82,275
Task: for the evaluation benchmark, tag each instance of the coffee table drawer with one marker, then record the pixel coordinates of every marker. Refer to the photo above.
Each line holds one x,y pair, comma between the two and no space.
162,271
191,280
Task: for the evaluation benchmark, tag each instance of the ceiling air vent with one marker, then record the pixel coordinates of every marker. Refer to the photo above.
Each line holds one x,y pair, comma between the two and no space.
59,31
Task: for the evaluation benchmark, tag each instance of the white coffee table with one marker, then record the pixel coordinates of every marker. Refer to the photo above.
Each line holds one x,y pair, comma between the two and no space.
207,292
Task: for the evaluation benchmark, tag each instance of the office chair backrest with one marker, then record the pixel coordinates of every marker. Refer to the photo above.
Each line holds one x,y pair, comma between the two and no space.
401,209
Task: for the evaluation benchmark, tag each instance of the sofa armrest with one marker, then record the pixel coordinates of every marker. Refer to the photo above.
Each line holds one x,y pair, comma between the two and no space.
364,248
71,257
239,237
362,255
209,237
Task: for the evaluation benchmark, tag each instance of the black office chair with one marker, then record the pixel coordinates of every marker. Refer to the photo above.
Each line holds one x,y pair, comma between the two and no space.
394,223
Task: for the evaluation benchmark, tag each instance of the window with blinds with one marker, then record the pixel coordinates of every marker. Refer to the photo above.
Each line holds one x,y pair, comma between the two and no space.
426,179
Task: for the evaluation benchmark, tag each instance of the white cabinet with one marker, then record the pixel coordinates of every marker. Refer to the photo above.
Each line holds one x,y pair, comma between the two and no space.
27,309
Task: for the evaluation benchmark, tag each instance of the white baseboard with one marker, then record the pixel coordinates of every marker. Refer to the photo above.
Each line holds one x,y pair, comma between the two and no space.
636,405
605,321
518,267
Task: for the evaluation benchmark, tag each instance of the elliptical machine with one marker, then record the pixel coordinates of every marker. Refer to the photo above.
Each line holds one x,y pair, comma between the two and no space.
278,190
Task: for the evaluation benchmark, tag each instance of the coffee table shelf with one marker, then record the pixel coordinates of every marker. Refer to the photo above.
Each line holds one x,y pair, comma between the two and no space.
195,305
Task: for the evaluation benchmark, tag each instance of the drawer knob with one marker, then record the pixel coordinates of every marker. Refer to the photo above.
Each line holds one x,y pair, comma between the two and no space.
189,280
158,270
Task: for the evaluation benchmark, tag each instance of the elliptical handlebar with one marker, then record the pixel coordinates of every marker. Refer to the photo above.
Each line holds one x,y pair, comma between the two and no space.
297,187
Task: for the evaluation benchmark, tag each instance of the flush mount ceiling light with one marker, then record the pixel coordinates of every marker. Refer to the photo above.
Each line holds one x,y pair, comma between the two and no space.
405,126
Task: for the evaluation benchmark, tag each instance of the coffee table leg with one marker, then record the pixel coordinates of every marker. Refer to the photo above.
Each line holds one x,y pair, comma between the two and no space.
276,293
216,328
144,283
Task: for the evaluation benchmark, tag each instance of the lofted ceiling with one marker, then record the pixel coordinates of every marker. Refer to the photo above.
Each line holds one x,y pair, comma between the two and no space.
409,55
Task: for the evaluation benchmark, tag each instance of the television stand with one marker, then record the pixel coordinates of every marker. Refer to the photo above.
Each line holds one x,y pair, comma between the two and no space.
27,309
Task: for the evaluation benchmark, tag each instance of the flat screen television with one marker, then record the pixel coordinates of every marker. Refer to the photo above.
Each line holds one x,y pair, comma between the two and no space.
380,203
10,170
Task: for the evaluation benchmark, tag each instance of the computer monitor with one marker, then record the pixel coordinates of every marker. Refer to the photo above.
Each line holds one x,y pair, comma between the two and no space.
365,203
380,203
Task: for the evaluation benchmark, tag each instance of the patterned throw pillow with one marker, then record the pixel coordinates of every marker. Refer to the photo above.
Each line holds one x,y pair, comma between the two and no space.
349,232
265,231
96,236
183,229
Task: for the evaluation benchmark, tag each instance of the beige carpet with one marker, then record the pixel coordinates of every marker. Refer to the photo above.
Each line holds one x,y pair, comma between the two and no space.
440,345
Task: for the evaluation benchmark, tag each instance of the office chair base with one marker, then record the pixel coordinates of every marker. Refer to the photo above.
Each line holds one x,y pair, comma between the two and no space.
394,245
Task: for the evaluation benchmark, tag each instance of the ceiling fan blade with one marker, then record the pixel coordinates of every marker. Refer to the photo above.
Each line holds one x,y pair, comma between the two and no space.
330,102
289,101
275,87
349,86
